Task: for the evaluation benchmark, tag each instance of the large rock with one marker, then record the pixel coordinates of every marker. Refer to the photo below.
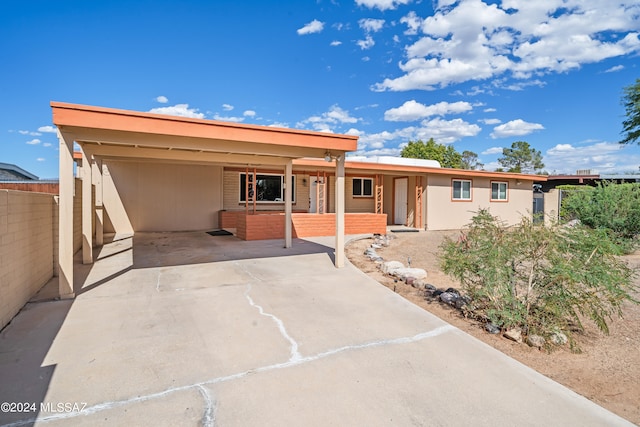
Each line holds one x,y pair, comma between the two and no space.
535,341
390,267
449,298
514,334
404,272
558,338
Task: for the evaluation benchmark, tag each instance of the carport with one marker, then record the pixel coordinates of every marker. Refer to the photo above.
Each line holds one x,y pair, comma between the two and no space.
105,134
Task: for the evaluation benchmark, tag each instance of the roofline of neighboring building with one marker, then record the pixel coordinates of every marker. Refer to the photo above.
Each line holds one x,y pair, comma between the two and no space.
18,169
66,115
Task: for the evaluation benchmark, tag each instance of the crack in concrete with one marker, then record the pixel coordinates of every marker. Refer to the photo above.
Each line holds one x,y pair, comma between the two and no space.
208,419
295,354
200,386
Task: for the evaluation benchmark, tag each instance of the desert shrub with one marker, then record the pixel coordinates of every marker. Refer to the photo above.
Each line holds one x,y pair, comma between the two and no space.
541,279
615,207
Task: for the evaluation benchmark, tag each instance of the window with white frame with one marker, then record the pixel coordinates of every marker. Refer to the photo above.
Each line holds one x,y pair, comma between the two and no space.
499,191
268,188
362,187
461,189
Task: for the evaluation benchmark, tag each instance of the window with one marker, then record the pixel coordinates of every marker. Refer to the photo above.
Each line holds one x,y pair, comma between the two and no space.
461,189
499,191
362,187
269,188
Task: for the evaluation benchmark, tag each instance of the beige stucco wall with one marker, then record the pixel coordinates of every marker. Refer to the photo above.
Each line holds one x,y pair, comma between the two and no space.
150,196
445,214
358,204
26,248
551,205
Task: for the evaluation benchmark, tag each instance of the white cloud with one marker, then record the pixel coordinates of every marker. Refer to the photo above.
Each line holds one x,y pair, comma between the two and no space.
492,150
371,25
515,39
600,157
413,23
614,69
489,110
30,133
41,159
181,110
335,43
314,26
162,99
490,121
328,120
516,127
227,107
412,110
34,141
249,113
442,131
47,144
48,129
367,43
228,118
381,4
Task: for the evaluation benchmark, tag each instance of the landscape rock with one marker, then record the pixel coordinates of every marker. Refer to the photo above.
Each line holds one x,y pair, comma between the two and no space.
437,292
514,334
404,272
390,266
409,280
535,341
461,302
559,338
453,291
449,298
491,328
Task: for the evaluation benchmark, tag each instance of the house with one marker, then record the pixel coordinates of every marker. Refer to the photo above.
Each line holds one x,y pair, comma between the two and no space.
151,172
10,172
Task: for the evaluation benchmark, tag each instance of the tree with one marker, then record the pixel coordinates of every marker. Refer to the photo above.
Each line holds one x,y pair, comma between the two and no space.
521,158
470,160
447,156
631,102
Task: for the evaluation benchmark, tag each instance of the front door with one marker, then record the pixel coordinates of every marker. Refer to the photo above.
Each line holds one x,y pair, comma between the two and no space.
400,201
316,194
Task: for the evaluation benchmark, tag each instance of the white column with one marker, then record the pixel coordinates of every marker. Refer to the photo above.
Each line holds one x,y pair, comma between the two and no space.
65,218
97,182
87,211
339,261
288,179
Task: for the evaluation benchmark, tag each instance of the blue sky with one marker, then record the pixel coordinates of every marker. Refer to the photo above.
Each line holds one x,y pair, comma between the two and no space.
476,74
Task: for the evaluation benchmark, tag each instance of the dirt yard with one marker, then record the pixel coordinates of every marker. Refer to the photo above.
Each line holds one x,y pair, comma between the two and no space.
608,369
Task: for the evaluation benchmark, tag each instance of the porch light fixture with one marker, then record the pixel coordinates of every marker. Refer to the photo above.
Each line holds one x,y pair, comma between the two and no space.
327,156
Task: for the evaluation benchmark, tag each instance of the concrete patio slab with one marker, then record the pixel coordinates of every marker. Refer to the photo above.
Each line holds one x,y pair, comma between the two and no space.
189,329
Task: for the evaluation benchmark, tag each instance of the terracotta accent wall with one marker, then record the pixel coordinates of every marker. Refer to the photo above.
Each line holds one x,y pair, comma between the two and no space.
271,226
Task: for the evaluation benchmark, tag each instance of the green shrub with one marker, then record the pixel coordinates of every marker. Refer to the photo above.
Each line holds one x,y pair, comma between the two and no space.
541,279
612,206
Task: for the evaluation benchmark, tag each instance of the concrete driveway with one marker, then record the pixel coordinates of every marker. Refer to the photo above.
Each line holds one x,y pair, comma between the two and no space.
188,329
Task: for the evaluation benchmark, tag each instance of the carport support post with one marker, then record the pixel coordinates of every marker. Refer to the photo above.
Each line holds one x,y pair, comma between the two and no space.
288,171
65,218
87,236
339,261
96,167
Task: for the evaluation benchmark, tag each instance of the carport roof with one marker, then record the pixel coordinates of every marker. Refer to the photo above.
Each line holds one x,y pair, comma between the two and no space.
115,127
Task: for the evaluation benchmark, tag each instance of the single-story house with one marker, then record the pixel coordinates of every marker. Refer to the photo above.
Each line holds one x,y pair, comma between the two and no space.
151,172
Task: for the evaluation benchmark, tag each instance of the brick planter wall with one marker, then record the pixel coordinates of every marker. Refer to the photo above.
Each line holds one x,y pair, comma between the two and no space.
271,225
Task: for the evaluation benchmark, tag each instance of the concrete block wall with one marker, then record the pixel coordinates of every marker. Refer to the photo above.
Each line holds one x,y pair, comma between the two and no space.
26,248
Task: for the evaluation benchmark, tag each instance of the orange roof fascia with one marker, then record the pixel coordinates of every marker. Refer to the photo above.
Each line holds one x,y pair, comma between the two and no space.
420,169
89,117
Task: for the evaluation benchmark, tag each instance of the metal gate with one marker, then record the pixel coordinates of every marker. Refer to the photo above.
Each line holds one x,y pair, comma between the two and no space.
538,208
